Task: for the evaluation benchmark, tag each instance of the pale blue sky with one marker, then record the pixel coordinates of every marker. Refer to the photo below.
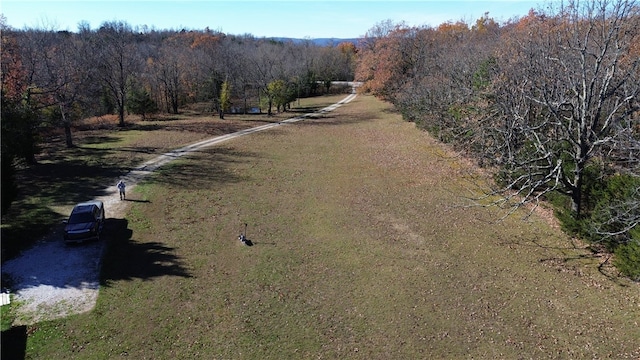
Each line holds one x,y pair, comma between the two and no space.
298,19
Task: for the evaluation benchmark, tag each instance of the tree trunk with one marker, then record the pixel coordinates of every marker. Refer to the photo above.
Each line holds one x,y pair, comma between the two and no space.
122,94
121,111
30,155
67,135
576,193
67,128
121,116
174,104
576,198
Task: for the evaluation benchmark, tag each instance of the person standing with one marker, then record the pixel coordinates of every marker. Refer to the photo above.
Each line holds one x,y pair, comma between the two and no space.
121,186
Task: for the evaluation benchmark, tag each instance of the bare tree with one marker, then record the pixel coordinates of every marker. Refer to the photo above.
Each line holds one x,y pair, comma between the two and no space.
237,66
66,77
168,70
569,87
57,73
266,64
116,59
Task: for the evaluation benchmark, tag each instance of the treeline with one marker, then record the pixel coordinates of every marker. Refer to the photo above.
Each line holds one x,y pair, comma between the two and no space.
55,78
548,101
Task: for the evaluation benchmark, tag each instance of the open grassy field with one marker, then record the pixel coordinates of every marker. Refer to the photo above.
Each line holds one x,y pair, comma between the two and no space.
361,250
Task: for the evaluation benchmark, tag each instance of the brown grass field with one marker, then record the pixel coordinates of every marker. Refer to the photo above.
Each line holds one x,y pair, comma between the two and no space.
362,249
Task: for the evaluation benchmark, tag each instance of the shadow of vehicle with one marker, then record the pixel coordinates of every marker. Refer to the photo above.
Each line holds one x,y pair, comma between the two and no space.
127,259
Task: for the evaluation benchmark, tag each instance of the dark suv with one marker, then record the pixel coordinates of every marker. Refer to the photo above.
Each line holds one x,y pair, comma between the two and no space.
85,222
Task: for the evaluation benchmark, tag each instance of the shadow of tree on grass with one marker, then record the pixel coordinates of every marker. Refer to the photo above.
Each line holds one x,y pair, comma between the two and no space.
210,168
14,343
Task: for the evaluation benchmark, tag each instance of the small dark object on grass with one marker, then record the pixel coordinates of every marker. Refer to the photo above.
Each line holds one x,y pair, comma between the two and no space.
243,237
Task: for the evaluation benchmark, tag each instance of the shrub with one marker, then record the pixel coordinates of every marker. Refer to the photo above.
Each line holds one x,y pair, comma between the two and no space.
139,102
627,259
609,201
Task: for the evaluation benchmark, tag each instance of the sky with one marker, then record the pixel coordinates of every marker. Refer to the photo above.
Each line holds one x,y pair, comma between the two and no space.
285,18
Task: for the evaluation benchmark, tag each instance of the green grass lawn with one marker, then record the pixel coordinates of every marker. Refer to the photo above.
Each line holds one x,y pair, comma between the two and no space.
362,248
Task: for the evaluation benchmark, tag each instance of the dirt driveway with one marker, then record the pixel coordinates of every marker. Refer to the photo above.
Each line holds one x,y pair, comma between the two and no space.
52,280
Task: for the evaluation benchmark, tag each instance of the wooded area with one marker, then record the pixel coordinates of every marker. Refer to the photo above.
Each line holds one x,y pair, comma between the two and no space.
55,78
549,101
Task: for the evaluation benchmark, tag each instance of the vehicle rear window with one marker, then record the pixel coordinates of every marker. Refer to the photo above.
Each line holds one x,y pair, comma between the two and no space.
80,218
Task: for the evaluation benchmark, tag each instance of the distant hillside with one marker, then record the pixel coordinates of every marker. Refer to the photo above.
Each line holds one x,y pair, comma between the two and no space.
319,42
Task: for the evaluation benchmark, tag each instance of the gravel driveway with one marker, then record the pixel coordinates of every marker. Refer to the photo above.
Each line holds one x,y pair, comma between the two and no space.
53,280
